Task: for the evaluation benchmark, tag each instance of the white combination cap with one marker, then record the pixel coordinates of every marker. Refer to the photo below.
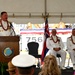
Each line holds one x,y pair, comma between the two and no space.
23,60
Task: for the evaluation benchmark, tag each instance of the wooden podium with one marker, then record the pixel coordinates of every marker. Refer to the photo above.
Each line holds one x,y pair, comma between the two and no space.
11,42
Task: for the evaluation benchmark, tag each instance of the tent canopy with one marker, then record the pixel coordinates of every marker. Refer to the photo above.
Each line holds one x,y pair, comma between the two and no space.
24,11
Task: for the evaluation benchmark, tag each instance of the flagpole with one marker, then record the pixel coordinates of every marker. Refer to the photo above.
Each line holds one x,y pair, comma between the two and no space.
45,7
46,14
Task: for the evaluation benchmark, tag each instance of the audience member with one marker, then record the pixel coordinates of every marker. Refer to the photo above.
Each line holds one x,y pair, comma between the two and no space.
50,66
11,69
24,63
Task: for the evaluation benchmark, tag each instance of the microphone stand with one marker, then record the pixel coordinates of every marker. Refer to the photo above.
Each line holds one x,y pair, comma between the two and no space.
12,29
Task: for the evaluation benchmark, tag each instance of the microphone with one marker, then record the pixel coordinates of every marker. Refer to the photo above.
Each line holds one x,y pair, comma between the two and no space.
12,32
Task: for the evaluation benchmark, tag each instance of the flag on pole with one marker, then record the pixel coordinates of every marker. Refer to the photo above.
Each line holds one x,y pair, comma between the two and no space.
46,35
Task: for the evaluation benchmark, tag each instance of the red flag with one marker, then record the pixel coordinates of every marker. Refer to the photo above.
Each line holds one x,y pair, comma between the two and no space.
46,35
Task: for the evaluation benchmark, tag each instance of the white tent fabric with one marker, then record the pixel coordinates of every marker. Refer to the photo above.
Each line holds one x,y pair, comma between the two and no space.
25,9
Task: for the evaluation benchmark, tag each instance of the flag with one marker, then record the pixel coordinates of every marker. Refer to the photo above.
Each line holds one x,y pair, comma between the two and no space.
46,35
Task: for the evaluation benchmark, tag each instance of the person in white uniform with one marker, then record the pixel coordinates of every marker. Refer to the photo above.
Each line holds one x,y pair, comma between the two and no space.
55,46
6,28
71,47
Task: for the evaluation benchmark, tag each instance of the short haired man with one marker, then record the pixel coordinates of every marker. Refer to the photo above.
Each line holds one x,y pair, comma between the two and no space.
6,26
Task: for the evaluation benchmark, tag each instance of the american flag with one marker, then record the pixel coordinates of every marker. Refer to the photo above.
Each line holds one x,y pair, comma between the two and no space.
46,35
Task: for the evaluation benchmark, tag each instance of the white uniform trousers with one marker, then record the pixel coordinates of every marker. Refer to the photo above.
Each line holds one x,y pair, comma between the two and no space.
61,52
72,55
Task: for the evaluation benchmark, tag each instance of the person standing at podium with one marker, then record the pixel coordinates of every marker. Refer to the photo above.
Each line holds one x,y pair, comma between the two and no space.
6,28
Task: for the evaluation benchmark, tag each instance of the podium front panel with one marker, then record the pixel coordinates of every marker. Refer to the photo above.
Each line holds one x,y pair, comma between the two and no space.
9,47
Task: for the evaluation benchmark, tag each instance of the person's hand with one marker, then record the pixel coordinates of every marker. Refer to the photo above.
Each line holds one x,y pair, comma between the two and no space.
56,49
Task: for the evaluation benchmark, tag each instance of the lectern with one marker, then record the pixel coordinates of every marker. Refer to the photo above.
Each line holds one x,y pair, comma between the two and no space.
9,47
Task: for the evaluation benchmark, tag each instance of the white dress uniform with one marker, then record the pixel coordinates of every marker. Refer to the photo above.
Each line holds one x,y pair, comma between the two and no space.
56,42
6,29
70,47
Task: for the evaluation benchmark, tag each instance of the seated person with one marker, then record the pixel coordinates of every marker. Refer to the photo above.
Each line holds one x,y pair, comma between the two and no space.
71,47
55,45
